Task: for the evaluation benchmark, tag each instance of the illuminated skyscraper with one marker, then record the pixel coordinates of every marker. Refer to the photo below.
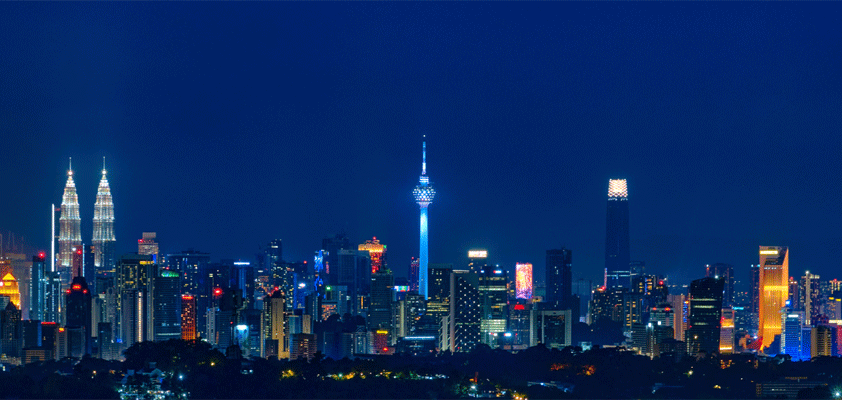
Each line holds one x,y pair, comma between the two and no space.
78,310
726,272
754,299
774,291
148,246
494,302
705,319
465,311
423,194
166,303
377,253
38,286
414,264
103,238
9,287
523,281
809,297
273,326
134,281
617,235
70,231
188,317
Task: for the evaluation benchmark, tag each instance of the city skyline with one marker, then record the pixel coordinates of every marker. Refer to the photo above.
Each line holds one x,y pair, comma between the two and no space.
516,183
236,209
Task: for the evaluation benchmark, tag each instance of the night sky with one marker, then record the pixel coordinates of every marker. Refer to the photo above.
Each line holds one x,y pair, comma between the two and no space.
225,125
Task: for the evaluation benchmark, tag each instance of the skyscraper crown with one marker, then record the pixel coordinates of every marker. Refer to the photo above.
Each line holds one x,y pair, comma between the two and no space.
617,188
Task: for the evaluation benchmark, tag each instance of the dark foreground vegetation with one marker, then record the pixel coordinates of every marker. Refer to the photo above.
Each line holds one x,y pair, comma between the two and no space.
194,370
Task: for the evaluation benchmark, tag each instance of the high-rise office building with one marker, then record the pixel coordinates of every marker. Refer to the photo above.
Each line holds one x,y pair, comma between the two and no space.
754,299
9,287
792,322
726,272
188,317
424,194
88,268
438,300
617,256
822,340
414,276
704,321
190,264
135,316
70,233
166,303
795,297
354,272
660,327
11,330
809,297
377,253
38,287
148,245
559,278
280,275
275,331
465,311
332,246
380,310
78,311
523,281
726,331
242,277
103,237
773,291
553,328
681,309
302,345
494,301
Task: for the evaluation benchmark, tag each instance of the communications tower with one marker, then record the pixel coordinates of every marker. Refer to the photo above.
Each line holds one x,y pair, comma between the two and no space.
423,194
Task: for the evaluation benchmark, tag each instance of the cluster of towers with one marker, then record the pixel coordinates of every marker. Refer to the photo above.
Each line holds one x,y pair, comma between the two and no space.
70,232
271,309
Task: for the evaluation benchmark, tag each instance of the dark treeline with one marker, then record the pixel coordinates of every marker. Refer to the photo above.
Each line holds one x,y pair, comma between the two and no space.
205,373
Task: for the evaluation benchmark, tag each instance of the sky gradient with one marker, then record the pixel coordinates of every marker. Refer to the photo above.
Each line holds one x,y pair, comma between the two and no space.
225,125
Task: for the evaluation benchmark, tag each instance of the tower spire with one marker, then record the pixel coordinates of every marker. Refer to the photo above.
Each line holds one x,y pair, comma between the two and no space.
103,235
69,165
424,156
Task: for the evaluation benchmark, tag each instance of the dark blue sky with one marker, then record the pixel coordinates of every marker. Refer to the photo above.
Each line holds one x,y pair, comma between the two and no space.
228,124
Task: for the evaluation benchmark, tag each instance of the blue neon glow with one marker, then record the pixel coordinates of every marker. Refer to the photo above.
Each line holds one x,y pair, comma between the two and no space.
422,259
423,194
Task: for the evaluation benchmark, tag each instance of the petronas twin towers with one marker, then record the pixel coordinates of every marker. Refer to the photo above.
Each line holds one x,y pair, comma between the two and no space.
70,233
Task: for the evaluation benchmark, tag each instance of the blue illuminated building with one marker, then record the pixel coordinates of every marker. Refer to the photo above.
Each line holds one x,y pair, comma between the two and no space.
791,335
319,269
423,194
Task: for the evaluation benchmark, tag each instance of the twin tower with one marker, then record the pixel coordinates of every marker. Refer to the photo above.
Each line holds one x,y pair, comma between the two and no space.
70,233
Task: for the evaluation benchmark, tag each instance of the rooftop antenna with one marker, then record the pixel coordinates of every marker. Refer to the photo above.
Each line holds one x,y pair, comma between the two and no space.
424,157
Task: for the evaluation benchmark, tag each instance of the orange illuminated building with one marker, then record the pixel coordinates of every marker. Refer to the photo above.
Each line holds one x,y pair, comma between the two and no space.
377,253
774,291
9,287
188,317
5,266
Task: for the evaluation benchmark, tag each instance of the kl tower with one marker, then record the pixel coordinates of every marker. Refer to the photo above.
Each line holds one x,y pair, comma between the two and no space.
423,194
